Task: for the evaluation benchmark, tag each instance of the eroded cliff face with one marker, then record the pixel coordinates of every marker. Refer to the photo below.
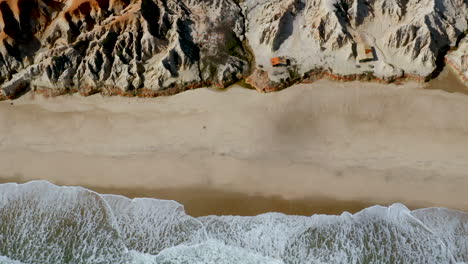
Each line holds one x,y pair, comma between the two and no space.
146,47
159,47
326,38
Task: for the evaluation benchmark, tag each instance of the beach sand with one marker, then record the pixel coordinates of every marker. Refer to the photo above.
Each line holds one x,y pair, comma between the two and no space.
325,147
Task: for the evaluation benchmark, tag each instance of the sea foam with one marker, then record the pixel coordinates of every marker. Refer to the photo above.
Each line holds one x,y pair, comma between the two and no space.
44,223
5,260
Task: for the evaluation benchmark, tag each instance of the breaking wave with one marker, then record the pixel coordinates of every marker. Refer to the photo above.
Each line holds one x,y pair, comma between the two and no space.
43,223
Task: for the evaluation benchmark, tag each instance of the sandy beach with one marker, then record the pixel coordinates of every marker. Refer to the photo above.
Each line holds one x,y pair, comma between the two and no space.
324,147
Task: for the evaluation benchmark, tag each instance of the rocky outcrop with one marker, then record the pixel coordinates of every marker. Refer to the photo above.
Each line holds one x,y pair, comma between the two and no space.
144,47
458,60
406,39
161,47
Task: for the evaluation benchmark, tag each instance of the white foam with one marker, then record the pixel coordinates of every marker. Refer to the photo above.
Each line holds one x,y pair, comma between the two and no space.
43,223
374,235
451,226
212,252
266,234
151,225
5,260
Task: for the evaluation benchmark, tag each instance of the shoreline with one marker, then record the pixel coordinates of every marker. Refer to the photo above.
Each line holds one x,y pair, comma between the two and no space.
265,180
356,143
204,201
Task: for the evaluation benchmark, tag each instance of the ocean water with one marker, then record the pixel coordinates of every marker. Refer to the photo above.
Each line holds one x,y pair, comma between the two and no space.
47,224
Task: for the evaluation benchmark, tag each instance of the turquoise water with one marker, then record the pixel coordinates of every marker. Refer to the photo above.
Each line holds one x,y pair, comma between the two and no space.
44,223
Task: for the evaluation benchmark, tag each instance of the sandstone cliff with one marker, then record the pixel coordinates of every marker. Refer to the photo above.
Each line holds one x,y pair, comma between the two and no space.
159,47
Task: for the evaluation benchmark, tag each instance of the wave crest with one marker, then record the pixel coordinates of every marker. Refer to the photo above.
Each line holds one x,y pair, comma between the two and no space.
44,223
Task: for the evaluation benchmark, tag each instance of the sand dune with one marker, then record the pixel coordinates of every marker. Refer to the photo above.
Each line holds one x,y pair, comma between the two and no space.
346,141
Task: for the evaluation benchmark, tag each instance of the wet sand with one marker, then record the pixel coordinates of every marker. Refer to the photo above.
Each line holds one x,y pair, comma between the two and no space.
204,201
325,147
207,201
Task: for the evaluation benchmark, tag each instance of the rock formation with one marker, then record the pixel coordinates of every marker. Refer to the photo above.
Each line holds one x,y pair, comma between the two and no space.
160,47
458,60
404,38
143,47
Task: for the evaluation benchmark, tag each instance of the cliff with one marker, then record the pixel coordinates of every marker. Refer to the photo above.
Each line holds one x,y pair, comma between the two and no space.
352,39
160,47
120,47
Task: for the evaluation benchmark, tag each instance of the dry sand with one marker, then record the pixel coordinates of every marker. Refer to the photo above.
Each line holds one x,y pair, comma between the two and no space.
323,147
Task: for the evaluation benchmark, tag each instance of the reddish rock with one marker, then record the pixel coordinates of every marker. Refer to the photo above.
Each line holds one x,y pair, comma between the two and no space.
259,80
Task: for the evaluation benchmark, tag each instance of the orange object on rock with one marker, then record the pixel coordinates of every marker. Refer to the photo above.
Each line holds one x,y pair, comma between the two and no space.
279,61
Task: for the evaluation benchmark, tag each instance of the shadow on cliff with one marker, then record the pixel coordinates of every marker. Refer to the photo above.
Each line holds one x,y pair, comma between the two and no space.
152,14
22,31
188,46
286,25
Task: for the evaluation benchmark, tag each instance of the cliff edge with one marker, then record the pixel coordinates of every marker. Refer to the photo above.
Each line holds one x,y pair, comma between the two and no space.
161,47
143,47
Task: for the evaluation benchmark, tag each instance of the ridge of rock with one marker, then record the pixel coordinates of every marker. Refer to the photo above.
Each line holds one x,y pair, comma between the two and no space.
122,47
406,38
161,47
